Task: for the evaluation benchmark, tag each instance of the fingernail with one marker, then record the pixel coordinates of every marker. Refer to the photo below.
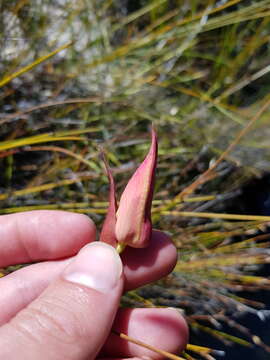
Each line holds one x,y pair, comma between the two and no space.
97,266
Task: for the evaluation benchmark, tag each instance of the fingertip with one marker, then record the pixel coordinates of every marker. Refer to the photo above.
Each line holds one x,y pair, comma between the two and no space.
97,266
80,225
70,231
178,343
142,266
57,234
43,235
164,241
164,329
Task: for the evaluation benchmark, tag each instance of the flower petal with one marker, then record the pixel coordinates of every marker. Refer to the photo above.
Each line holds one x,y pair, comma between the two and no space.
133,217
108,228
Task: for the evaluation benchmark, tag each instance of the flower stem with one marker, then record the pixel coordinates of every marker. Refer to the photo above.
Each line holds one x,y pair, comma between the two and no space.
120,247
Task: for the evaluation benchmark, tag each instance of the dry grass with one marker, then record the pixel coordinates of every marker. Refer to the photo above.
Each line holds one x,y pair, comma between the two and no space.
199,71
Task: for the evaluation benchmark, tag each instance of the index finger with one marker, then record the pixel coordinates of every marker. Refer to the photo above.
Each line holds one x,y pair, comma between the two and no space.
43,235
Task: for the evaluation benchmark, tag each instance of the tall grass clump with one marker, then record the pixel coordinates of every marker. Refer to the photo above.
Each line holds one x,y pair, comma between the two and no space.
77,75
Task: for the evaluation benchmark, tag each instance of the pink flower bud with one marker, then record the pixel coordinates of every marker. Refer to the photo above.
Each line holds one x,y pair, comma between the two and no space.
131,223
133,217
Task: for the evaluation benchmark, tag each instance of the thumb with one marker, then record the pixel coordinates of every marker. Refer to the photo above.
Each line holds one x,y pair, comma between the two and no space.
71,319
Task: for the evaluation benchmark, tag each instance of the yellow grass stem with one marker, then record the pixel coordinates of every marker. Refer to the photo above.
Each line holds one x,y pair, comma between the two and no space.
220,262
35,140
74,207
29,67
44,187
200,198
221,335
203,350
244,279
187,356
245,244
46,137
164,353
137,297
90,164
217,215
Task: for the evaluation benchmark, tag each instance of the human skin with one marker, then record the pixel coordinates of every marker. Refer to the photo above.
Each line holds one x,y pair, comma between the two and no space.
51,310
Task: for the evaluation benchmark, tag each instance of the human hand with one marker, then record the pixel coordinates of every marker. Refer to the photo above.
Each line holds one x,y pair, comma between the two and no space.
65,306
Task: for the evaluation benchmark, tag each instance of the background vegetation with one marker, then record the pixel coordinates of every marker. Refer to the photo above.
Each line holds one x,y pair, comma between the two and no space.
77,75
